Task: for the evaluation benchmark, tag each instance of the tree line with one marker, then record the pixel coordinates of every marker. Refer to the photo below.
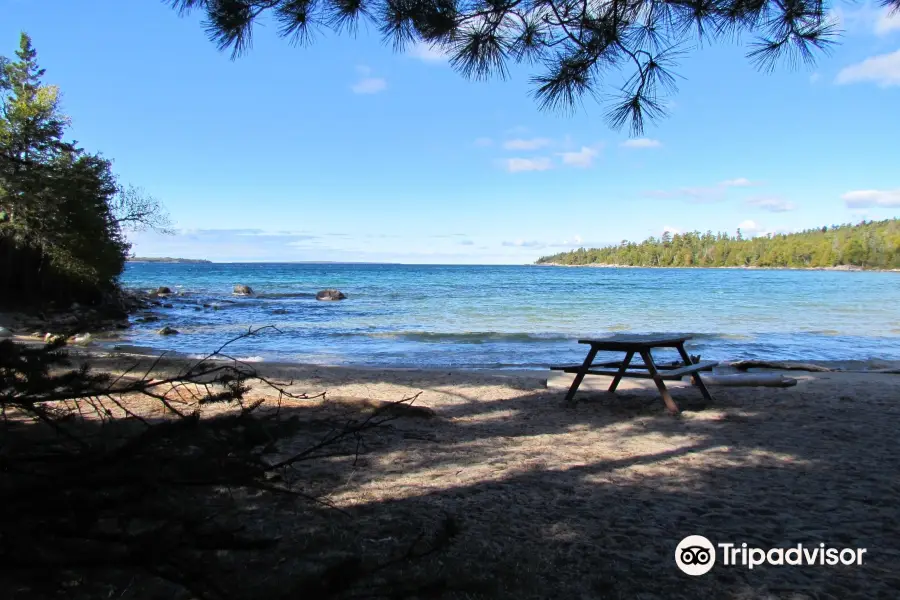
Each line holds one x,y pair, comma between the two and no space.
63,214
869,245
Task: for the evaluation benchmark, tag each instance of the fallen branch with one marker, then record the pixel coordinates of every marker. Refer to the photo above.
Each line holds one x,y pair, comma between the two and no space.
108,496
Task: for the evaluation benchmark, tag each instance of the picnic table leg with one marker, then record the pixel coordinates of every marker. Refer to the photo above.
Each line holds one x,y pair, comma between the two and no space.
695,377
618,377
581,373
660,384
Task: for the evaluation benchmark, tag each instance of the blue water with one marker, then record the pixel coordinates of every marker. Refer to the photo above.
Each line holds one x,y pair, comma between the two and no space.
517,316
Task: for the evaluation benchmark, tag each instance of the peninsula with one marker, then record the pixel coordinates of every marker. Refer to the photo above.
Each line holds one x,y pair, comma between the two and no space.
871,245
151,259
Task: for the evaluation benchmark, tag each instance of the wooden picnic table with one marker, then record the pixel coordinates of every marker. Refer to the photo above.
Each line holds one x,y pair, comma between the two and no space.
641,345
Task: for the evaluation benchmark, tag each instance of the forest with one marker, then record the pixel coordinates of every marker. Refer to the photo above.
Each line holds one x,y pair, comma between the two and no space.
63,213
867,245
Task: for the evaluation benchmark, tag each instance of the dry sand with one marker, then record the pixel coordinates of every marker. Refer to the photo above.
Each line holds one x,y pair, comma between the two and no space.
591,501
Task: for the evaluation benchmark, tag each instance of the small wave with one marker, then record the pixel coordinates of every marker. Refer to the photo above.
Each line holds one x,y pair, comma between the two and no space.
468,337
283,295
248,359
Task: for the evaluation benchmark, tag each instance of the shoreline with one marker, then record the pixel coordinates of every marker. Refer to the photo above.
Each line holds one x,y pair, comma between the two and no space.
98,350
841,268
506,458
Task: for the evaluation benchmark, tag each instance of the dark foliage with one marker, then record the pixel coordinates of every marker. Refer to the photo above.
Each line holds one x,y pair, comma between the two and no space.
874,245
581,46
62,213
97,499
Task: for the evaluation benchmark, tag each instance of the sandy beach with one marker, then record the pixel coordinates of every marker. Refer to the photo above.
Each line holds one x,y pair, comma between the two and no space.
590,501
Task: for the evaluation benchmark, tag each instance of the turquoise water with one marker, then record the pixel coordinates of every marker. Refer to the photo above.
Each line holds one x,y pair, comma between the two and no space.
517,316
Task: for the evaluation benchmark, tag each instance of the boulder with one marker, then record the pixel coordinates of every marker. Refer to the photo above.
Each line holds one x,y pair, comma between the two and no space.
330,295
167,331
82,339
242,290
147,319
163,291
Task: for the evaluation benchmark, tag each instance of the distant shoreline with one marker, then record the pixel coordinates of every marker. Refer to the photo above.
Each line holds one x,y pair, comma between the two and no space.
150,259
750,268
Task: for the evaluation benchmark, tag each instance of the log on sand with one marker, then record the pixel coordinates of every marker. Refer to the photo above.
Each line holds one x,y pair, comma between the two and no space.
750,380
743,365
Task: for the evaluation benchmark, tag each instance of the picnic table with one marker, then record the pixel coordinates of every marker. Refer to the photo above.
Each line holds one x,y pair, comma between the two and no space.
641,345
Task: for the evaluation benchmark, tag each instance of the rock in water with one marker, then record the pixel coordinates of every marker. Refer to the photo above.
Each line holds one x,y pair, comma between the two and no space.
5,333
163,291
82,339
167,331
242,290
329,295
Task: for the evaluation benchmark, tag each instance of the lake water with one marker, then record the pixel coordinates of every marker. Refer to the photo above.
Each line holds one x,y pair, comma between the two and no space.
517,316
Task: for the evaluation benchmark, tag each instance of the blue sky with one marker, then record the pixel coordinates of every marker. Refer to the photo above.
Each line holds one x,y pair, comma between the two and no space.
348,151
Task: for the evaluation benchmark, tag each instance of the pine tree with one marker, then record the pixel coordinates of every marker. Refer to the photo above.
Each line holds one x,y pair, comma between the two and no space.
58,235
869,245
578,44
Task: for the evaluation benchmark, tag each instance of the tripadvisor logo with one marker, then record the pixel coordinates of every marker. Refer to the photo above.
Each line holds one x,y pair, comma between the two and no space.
696,555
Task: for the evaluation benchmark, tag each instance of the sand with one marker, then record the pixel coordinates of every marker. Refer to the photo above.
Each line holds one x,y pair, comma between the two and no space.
590,501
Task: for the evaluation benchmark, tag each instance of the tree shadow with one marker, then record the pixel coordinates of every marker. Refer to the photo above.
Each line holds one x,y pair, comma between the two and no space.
590,502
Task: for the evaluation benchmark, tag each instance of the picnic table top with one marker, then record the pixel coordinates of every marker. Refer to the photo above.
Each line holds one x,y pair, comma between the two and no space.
628,342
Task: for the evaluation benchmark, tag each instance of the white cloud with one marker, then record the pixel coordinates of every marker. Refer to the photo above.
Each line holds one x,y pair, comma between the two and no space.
671,229
283,233
750,228
483,142
771,204
524,244
739,182
866,18
703,194
641,143
888,21
578,239
871,198
521,144
428,53
369,85
883,70
583,158
518,165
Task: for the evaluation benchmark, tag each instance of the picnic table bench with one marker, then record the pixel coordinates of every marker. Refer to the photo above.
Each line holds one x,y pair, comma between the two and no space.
641,345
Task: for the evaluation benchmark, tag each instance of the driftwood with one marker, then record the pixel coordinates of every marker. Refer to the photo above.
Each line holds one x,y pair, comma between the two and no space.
750,380
743,365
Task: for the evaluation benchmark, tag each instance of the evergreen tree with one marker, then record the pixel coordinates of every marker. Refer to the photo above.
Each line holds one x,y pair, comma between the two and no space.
58,235
873,244
578,44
